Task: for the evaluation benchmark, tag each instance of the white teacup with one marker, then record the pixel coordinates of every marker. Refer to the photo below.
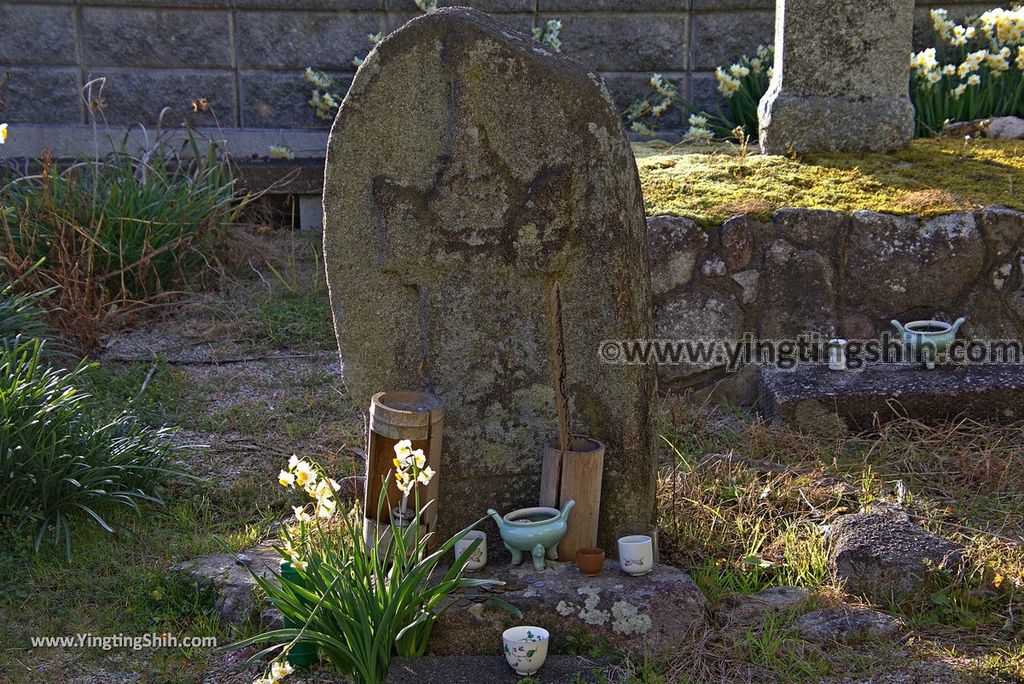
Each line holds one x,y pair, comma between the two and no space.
479,558
636,554
526,648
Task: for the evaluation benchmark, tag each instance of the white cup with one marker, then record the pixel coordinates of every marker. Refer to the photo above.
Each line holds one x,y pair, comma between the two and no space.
526,648
636,554
479,558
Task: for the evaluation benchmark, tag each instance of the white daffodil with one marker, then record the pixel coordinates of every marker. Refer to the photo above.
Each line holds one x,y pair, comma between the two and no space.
739,71
3,133
292,462
285,478
661,107
425,476
280,152
299,565
304,473
641,128
698,135
403,481
325,507
934,77
959,91
279,670
949,69
974,79
301,514
419,459
698,121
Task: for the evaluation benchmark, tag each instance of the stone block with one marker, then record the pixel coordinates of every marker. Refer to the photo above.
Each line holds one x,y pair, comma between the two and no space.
173,4
898,264
326,40
653,613
695,316
271,99
311,212
719,38
549,6
519,21
814,399
704,92
159,38
883,555
675,244
840,81
42,95
314,5
36,35
493,6
797,293
721,5
139,96
626,42
558,669
849,625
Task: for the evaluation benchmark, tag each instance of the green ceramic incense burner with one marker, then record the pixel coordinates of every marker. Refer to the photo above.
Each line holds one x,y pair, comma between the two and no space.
534,530
928,339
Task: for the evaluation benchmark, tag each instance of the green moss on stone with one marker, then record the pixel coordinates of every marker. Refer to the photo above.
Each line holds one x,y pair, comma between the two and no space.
711,183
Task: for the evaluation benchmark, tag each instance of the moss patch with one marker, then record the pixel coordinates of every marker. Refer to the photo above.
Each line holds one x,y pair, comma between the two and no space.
711,183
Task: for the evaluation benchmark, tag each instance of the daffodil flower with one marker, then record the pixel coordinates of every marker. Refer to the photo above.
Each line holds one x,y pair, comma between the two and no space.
285,478
419,459
325,508
301,515
425,476
279,670
3,133
303,473
292,462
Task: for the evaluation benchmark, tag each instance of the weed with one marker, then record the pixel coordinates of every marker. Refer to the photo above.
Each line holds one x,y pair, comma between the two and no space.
118,234
61,463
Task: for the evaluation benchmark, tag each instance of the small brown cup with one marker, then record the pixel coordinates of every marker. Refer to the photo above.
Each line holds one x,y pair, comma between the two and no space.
590,561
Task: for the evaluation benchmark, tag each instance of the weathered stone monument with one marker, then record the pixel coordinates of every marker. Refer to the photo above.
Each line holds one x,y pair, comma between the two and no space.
470,168
841,80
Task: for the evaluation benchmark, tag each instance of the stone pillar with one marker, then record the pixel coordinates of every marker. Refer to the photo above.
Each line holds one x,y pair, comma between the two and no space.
841,80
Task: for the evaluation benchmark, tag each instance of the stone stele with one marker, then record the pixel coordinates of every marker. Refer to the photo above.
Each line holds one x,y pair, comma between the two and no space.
470,168
841,79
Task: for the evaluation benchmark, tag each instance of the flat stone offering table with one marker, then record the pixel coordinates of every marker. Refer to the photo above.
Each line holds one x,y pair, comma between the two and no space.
829,403
558,669
653,613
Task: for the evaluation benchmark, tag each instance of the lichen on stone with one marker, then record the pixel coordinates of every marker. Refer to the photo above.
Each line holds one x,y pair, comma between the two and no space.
628,620
590,613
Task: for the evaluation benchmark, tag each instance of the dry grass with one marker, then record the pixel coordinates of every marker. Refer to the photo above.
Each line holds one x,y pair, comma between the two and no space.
743,509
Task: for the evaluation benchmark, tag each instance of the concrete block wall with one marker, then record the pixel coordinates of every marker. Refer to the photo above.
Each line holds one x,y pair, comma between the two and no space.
246,57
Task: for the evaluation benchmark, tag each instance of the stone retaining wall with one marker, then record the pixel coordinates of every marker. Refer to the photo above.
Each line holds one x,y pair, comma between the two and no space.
816,271
246,56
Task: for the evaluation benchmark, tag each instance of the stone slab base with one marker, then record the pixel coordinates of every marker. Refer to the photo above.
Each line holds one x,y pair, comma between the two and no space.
653,613
557,669
814,399
792,123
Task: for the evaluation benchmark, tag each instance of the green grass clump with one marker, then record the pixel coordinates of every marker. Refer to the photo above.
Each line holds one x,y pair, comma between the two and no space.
710,183
60,462
21,314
